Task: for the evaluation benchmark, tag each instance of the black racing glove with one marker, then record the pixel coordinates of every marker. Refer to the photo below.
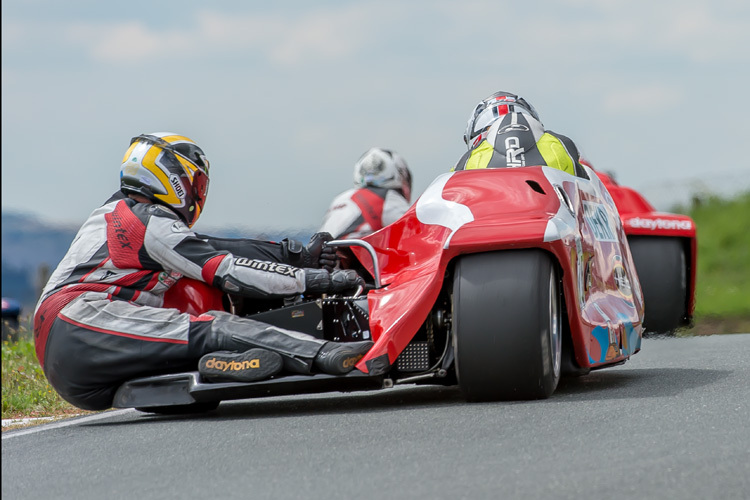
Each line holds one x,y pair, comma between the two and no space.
321,281
324,256
315,255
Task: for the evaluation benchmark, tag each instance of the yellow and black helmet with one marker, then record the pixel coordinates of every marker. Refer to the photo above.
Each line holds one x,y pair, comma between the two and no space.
169,169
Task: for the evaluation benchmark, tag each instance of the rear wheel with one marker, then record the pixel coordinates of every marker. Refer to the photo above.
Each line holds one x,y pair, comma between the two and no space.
662,271
507,325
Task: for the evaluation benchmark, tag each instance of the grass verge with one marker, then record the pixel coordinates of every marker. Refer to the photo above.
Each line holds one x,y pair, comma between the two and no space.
723,270
26,392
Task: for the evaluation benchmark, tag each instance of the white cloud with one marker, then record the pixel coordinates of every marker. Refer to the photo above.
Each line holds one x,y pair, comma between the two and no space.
582,30
318,35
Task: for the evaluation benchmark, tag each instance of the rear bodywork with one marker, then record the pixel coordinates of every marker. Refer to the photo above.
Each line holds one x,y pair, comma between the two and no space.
572,218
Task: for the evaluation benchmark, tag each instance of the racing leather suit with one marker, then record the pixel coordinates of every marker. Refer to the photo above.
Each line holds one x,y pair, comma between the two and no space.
358,212
100,320
517,140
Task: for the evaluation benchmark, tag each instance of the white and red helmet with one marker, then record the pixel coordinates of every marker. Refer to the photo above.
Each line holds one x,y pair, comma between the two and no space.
491,109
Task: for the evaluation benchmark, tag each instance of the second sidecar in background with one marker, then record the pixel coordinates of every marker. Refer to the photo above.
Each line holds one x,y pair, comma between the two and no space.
664,249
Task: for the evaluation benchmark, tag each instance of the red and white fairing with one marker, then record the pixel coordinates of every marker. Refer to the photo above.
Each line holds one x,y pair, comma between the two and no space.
572,218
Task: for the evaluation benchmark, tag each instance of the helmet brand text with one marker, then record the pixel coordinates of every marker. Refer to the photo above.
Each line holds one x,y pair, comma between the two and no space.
177,185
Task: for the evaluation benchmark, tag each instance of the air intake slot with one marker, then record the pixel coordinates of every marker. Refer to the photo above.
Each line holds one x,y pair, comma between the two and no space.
535,186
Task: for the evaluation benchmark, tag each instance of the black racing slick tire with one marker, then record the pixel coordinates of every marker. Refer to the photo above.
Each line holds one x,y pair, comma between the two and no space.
662,271
507,325
189,409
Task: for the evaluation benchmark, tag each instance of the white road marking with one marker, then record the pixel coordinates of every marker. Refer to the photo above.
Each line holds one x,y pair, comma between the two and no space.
65,423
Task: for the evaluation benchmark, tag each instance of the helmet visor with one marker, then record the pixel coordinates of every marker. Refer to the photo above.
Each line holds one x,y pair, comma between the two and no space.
485,118
200,188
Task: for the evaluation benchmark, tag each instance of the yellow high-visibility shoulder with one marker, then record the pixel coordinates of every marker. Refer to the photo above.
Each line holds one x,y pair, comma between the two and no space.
480,156
554,153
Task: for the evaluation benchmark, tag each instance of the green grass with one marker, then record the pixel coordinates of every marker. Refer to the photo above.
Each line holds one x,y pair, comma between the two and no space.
26,391
723,271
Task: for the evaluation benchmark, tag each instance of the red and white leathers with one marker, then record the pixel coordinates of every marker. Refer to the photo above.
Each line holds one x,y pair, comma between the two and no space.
358,212
100,320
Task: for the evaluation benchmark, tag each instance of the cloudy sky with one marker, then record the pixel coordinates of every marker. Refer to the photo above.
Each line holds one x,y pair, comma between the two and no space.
285,96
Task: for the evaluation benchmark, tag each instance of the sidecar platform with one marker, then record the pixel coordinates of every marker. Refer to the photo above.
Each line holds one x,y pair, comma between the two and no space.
188,388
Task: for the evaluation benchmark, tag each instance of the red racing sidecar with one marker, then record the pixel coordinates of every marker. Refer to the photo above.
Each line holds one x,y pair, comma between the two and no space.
497,280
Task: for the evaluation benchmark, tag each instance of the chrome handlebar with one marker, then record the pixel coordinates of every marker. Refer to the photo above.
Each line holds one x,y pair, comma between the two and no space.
366,246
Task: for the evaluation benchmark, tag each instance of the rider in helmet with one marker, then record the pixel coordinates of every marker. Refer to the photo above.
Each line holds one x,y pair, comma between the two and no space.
178,180
382,194
101,319
504,130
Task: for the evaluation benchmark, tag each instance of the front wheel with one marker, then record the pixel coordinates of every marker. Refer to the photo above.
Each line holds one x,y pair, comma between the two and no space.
507,325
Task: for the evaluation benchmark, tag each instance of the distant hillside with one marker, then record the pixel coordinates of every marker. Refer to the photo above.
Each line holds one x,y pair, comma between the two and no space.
29,243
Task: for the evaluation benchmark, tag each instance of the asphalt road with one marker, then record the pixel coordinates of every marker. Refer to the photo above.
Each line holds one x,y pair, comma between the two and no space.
673,422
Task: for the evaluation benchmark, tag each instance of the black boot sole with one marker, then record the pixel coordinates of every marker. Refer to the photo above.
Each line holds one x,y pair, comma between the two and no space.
247,366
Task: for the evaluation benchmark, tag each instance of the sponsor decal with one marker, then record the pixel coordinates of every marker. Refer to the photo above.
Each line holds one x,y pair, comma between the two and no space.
621,278
514,153
232,366
179,227
177,185
120,233
132,167
298,313
145,180
108,274
269,267
597,219
169,278
350,362
653,224
513,127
